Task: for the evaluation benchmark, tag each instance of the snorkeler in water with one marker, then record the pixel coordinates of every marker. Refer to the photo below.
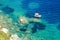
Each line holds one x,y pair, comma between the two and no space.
37,15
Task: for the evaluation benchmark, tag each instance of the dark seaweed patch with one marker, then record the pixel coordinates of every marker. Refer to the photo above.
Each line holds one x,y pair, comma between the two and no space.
34,30
39,26
22,29
8,9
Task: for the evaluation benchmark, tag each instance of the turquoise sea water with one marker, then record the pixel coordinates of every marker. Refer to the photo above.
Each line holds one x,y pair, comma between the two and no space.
45,28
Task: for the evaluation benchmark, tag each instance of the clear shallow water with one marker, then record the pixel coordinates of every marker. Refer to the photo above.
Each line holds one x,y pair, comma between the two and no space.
49,9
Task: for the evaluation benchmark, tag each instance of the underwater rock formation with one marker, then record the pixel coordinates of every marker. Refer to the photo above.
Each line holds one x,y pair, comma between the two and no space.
8,9
34,30
22,29
39,26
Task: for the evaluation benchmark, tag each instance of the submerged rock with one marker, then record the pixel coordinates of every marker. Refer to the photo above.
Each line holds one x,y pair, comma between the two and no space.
34,30
8,9
22,29
15,37
37,25
40,26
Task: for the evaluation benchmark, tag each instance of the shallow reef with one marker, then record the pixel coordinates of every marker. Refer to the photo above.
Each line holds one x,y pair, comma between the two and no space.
37,26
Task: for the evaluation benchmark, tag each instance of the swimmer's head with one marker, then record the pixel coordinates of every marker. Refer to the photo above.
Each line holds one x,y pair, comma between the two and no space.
37,15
